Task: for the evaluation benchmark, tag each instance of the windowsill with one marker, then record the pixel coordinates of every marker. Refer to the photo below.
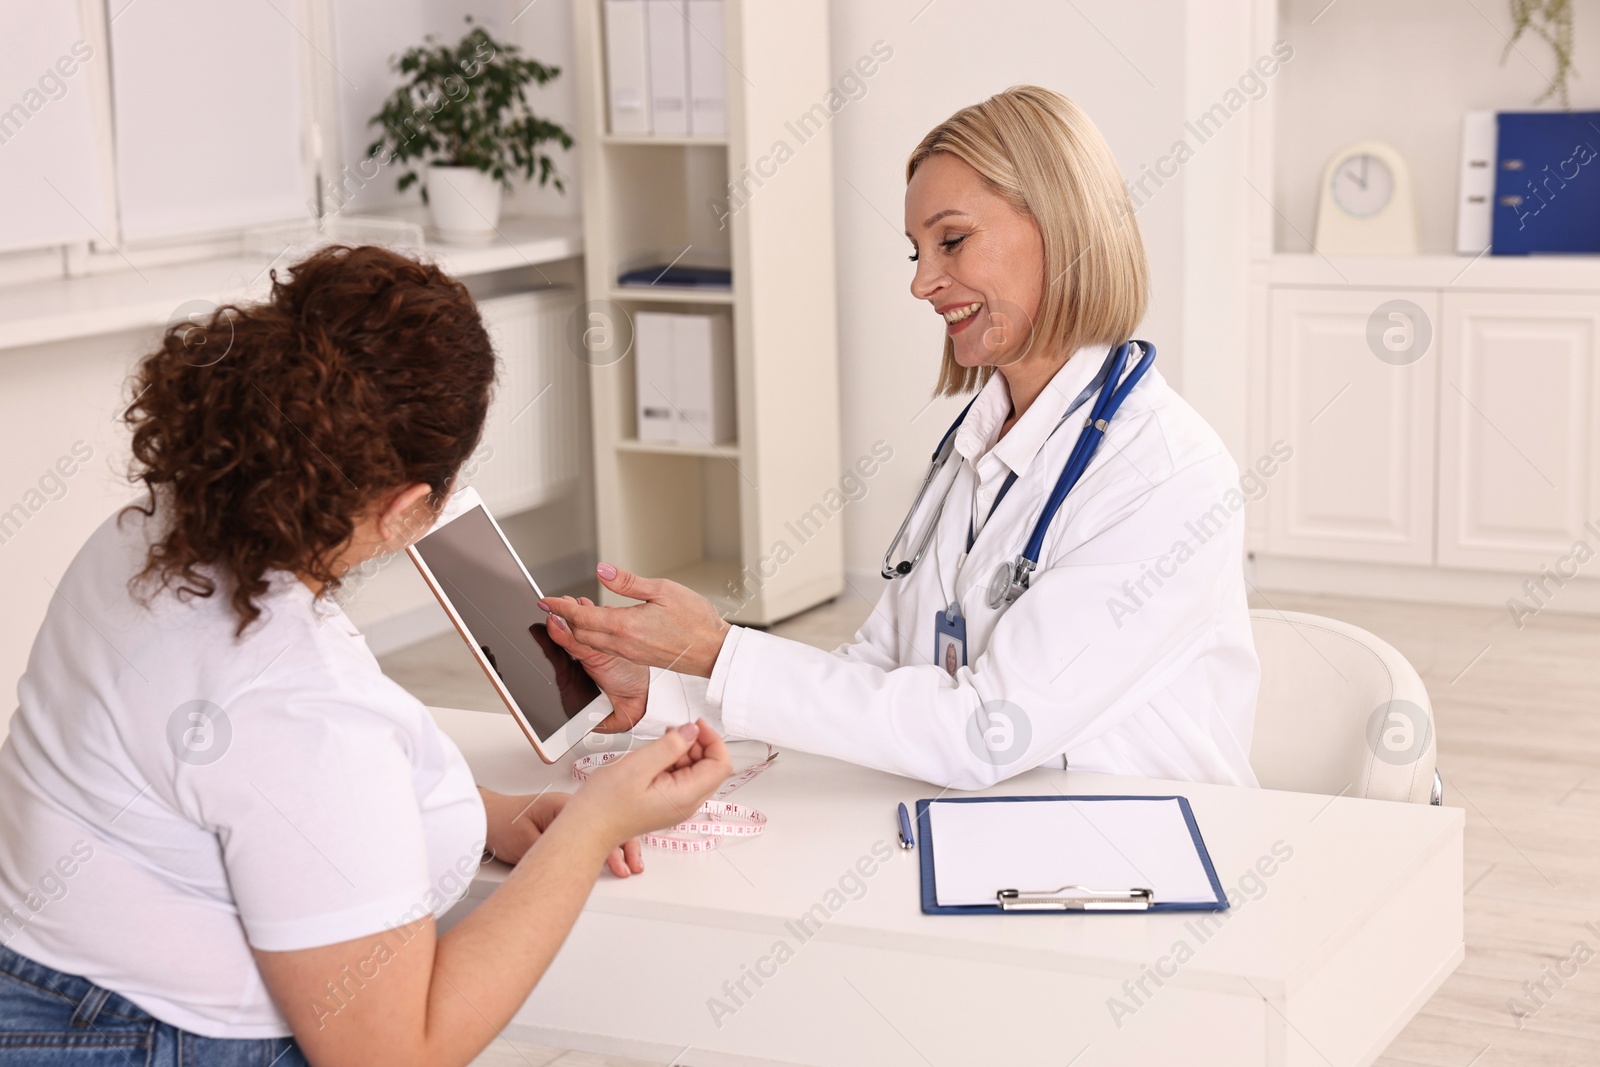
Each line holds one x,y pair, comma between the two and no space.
60,309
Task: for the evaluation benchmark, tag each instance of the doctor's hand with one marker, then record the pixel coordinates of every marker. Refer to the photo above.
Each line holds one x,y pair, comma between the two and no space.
675,628
626,684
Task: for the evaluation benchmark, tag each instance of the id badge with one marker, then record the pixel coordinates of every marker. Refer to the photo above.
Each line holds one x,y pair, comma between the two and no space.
950,639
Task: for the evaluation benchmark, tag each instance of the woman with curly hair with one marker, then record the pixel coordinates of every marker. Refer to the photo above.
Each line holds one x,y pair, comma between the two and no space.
225,835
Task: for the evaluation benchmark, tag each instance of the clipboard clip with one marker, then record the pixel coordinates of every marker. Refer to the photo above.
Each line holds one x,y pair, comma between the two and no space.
1076,898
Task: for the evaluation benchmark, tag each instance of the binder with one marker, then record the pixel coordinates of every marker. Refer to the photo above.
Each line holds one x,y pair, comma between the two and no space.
708,92
1475,209
669,67
703,377
684,378
655,380
1547,182
627,67
1045,899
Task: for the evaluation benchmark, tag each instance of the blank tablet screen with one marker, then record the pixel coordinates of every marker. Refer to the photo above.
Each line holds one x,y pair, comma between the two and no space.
483,581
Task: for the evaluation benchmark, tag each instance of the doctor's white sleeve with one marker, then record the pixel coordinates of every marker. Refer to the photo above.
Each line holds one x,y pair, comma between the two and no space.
679,698
1062,658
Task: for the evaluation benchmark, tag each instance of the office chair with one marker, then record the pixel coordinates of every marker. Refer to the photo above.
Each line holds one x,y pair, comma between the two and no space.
1340,712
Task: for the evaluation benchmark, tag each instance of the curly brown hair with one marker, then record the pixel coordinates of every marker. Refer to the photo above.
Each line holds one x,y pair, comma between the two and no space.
263,432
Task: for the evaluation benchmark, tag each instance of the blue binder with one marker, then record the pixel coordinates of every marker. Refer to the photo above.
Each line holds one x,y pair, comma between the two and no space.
930,896
1547,183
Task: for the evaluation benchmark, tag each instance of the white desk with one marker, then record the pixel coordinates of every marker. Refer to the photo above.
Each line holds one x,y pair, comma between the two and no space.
1342,945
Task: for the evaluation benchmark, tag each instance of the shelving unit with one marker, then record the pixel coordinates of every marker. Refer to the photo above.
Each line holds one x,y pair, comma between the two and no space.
720,518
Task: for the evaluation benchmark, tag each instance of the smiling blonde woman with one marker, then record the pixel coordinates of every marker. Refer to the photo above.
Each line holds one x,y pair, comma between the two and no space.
1126,647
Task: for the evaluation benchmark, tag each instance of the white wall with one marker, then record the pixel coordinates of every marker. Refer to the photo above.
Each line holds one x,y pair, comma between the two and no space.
543,29
1139,70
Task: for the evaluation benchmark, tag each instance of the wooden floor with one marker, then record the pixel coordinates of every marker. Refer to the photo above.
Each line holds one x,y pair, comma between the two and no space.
1518,715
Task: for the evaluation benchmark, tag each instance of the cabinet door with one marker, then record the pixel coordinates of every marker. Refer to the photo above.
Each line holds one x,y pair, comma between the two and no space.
1517,400
1360,485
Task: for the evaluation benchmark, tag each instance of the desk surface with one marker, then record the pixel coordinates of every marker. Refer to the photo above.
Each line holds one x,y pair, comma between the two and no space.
1349,858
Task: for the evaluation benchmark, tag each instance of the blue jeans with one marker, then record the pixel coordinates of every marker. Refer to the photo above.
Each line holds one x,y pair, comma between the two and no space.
50,1019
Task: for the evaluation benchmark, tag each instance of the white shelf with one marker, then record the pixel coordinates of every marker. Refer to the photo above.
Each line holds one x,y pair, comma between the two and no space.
729,450
1545,274
678,140
666,294
523,241
60,309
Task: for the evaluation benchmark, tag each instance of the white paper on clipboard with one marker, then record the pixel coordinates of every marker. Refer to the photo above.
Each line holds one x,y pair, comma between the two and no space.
1041,845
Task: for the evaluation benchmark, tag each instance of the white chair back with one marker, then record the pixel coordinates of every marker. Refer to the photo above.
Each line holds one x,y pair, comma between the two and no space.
1340,712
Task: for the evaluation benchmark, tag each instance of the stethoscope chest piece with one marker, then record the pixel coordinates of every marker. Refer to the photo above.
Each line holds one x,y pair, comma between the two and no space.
1009,582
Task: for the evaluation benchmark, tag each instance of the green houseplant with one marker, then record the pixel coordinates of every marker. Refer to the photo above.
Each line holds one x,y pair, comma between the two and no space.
1550,20
461,124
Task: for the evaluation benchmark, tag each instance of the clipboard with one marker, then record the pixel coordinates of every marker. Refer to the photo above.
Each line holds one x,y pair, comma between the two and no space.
1039,899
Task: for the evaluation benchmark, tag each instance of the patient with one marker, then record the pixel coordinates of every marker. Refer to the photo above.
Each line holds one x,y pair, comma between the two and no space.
225,835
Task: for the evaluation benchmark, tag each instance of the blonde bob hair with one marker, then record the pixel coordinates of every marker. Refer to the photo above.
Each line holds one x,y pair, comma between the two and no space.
1039,151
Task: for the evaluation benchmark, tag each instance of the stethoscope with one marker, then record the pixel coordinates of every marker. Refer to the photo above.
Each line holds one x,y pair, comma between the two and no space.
1011,578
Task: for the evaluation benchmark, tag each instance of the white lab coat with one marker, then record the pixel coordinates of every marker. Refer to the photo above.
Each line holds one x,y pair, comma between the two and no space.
1130,653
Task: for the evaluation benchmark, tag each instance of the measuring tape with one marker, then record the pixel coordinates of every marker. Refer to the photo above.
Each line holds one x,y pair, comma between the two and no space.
710,821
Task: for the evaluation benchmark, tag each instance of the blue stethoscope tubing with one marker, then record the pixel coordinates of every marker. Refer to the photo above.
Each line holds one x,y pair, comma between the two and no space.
1114,382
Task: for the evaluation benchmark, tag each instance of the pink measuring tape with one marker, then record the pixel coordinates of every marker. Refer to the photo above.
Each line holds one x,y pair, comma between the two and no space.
710,820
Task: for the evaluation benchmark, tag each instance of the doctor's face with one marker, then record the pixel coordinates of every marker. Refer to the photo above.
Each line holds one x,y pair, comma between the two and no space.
980,262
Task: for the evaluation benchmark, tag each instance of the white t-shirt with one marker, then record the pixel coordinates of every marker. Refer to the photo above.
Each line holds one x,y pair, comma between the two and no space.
171,795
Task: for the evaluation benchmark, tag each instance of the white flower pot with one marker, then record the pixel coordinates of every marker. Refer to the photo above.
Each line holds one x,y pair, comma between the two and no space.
463,203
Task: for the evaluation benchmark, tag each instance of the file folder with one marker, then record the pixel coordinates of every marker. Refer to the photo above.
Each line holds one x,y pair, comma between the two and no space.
1475,210
708,91
1148,848
1547,183
627,66
669,67
655,367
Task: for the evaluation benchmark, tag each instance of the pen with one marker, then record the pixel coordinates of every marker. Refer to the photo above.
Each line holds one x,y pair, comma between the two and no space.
906,840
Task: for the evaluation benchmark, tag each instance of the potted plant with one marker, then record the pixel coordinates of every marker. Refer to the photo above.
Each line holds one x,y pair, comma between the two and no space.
461,115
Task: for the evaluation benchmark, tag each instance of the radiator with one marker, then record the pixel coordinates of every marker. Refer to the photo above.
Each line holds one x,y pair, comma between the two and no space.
530,451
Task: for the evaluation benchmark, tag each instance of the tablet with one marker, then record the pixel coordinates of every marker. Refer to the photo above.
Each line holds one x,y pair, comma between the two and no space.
494,603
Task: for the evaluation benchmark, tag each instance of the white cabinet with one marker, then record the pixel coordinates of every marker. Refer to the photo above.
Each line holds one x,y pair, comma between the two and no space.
1361,484
1479,451
1519,473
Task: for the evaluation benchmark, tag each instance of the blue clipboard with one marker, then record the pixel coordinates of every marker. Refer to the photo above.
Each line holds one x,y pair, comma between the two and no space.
930,896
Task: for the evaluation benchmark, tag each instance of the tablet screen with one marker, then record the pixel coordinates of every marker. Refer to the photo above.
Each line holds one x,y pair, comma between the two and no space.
483,581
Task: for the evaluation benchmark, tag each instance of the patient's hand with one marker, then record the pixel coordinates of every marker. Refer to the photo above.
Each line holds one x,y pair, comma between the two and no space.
627,684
